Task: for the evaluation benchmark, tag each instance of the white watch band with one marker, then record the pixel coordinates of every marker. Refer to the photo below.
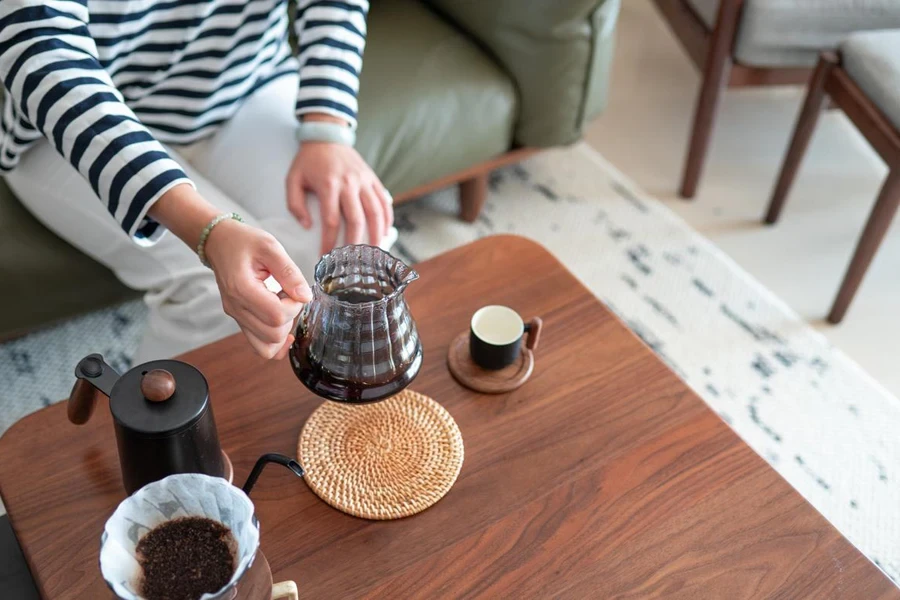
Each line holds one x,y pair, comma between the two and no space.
319,131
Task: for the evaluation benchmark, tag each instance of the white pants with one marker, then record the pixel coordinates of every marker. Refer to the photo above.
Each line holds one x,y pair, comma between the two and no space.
242,168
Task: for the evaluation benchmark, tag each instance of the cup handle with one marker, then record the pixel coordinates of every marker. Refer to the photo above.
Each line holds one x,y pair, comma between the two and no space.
285,589
533,328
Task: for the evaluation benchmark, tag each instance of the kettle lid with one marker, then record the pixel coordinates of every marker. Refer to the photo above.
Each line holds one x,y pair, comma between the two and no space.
160,397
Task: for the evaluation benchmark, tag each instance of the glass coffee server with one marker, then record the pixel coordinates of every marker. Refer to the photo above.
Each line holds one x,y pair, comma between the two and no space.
356,340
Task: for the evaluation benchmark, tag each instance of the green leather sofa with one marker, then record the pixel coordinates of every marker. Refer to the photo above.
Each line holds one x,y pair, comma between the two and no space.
446,84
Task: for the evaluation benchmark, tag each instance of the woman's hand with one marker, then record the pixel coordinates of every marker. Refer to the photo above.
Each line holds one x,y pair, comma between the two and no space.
243,257
347,189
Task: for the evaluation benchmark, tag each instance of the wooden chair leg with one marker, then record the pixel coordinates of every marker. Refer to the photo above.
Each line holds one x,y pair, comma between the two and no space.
715,80
877,226
472,196
815,102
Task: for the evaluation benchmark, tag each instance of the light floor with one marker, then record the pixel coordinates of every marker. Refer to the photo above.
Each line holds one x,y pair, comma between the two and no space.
644,132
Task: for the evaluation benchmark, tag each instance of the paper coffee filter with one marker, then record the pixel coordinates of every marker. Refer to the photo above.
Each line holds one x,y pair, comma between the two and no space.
183,495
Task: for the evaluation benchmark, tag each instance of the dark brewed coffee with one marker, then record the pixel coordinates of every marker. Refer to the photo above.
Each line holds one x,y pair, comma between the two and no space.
184,558
323,383
353,296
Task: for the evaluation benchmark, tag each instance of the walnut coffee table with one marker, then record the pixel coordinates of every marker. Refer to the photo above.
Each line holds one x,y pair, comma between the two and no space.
603,476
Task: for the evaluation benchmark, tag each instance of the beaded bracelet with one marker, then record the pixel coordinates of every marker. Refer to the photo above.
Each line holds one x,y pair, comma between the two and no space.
201,247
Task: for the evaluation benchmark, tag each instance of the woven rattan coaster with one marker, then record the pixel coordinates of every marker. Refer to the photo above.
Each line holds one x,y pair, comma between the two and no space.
386,460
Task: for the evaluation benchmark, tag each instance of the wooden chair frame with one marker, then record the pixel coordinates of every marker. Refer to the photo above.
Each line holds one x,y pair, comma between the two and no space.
831,80
473,183
712,50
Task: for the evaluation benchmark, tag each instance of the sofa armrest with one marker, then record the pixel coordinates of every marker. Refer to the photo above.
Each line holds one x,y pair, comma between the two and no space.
558,53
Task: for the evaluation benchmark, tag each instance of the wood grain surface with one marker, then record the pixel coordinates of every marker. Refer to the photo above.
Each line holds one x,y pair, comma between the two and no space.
604,476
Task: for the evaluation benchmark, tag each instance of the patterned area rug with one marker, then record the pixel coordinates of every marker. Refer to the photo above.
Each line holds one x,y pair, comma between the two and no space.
813,414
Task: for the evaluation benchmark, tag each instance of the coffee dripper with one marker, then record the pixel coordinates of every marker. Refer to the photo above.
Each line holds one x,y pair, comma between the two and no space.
187,495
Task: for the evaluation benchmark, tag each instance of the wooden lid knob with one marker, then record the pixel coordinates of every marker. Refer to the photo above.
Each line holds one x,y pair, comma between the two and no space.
157,385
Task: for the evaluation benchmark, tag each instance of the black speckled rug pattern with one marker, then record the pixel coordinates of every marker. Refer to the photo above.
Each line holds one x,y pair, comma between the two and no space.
826,426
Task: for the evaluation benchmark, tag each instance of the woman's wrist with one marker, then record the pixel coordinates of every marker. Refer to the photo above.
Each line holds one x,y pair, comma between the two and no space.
207,231
323,118
184,212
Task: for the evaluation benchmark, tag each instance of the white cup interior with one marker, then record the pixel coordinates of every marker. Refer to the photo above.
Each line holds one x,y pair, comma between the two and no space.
497,325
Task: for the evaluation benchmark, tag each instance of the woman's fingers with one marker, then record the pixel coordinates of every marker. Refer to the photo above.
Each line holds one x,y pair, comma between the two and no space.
266,306
286,348
296,199
265,350
354,217
275,261
269,341
387,202
270,334
329,207
374,212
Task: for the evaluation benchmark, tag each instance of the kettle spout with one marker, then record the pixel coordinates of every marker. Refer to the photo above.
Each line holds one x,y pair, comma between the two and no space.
281,459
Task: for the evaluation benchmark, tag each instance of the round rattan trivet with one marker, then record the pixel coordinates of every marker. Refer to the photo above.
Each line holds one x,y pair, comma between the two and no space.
386,460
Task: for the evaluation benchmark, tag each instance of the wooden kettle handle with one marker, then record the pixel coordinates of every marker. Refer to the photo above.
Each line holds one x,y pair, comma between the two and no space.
82,401
285,589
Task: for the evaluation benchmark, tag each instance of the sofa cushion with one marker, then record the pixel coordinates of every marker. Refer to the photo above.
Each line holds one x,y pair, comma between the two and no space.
557,51
431,101
791,33
872,59
42,277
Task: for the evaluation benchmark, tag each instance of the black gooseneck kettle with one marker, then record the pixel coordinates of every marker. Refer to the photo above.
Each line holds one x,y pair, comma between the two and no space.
163,418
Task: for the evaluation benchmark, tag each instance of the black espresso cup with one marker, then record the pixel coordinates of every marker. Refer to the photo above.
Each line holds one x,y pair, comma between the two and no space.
495,336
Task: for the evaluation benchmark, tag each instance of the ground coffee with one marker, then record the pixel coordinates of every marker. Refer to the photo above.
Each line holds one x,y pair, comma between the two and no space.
184,558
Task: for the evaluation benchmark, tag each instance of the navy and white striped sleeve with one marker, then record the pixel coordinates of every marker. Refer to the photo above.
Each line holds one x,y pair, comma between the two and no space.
331,38
50,69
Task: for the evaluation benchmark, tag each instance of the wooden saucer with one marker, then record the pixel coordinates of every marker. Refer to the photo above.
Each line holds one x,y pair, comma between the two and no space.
466,372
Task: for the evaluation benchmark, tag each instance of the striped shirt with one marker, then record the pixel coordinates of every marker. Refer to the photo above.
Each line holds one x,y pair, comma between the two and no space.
106,81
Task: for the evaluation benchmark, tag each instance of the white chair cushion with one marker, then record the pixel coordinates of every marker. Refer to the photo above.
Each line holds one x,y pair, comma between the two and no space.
872,59
791,33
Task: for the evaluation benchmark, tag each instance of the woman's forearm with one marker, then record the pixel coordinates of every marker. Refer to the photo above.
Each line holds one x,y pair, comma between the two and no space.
56,84
184,212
